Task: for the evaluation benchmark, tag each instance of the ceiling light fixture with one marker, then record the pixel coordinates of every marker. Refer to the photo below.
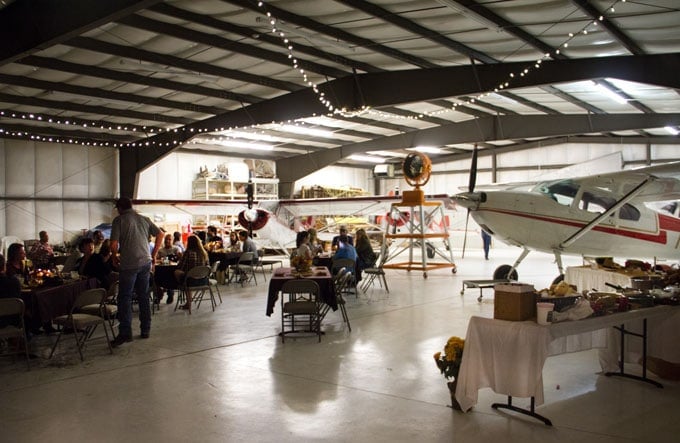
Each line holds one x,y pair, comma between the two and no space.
671,130
302,130
238,144
609,93
366,158
426,149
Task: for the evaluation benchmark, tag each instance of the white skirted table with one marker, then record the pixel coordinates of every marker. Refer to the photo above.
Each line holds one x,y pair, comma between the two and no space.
508,357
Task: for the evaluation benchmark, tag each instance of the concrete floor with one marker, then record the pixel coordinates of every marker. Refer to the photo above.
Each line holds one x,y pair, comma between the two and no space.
226,376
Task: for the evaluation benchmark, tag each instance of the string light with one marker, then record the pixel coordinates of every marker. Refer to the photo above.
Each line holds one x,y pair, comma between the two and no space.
321,97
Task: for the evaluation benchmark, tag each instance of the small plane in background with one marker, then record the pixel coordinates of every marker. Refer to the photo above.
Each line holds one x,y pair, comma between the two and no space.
613,214
278,221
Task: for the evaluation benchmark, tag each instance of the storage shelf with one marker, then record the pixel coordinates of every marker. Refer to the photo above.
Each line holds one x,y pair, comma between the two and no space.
223,189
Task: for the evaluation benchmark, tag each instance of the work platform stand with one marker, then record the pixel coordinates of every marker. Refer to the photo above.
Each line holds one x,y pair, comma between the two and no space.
426,224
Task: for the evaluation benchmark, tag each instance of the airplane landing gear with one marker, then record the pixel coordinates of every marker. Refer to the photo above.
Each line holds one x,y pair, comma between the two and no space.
503,272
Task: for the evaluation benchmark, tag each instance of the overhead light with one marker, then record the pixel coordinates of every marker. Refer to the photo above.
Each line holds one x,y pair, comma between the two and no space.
389,154
366,158
240,144
671,130
462,10
609,93
426,149
303,130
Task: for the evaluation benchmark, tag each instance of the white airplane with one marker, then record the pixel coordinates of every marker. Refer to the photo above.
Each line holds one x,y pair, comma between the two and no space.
597,215
278,220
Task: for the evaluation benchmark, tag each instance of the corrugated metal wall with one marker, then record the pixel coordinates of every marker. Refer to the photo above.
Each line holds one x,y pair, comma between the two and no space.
58,188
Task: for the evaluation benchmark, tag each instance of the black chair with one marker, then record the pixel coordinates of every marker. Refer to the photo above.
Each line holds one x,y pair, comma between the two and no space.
300,308
14,330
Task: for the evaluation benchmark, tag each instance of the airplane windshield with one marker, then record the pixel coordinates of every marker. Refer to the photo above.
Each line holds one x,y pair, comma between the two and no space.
563,191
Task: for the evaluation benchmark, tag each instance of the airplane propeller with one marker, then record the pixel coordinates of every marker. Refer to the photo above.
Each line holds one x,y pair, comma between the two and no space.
471,188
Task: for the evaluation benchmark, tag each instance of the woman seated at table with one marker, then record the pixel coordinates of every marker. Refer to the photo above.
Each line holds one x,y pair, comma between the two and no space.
314,242
302,242
92,264
234,244
194,255
366,258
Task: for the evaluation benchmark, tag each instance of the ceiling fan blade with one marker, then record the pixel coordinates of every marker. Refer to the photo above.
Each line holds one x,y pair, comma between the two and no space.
473,171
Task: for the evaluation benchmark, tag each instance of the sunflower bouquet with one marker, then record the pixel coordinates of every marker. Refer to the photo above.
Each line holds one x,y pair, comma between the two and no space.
449,362
300,263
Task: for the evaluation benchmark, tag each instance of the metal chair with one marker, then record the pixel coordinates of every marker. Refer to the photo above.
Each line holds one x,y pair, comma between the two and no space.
340,282
300,299
12,316
213,279
81,324
244,270
196,281
374,273
350,266
108,308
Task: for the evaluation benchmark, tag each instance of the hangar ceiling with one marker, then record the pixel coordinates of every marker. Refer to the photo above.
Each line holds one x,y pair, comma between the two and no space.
312,83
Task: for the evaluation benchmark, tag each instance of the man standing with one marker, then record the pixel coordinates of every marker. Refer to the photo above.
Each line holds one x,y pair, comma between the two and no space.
130,233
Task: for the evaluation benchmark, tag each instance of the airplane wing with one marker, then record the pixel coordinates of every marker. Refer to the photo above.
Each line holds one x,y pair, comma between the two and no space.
191,207
665,183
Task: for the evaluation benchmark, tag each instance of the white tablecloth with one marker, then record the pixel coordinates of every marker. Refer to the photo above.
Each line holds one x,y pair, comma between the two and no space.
508,357
586,278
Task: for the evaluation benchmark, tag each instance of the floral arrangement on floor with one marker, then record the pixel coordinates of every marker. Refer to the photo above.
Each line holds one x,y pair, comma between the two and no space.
449,365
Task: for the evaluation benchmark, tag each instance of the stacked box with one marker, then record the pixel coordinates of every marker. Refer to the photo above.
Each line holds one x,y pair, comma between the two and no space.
514,302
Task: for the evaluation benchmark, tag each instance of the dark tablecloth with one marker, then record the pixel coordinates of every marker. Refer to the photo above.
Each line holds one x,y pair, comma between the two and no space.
282,275
44,304
226,259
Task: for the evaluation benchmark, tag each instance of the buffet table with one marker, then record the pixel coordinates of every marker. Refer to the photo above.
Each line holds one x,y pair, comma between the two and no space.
508,357
586,278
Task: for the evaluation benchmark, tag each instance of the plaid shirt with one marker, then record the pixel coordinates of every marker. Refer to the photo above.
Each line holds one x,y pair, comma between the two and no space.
190,260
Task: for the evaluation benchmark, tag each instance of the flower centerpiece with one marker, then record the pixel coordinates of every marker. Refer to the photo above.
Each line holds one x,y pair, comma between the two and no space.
301,264
449,365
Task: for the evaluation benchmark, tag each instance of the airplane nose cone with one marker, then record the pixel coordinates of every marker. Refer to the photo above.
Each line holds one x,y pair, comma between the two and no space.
470,200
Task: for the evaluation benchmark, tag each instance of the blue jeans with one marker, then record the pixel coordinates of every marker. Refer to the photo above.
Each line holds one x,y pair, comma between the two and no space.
136,280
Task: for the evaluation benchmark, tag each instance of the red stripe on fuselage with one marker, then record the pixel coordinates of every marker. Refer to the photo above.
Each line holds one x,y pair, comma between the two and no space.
661,237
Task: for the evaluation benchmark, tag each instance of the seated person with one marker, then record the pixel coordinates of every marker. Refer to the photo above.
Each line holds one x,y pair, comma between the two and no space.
16,257
234,243
302,242
172,253
344,237
10,287
92,264
344,251
195,255
366,258
248,245
41,253
177,241
98,237
314,242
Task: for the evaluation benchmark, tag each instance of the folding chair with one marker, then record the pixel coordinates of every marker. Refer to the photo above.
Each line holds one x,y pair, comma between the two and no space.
244,270
108,308
213,278
340,282
12,317
375,272
196,281
261,263
350,266
81,324
300,298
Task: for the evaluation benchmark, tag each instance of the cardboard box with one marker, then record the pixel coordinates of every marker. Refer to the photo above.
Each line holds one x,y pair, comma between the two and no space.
514,302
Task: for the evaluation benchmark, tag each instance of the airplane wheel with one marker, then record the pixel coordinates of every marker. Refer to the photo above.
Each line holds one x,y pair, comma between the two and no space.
424,274
558,279
454,269
479,299
501,272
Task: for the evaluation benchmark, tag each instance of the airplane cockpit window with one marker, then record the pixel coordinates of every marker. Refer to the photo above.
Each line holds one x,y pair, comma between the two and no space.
592,202
563,191
629,212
